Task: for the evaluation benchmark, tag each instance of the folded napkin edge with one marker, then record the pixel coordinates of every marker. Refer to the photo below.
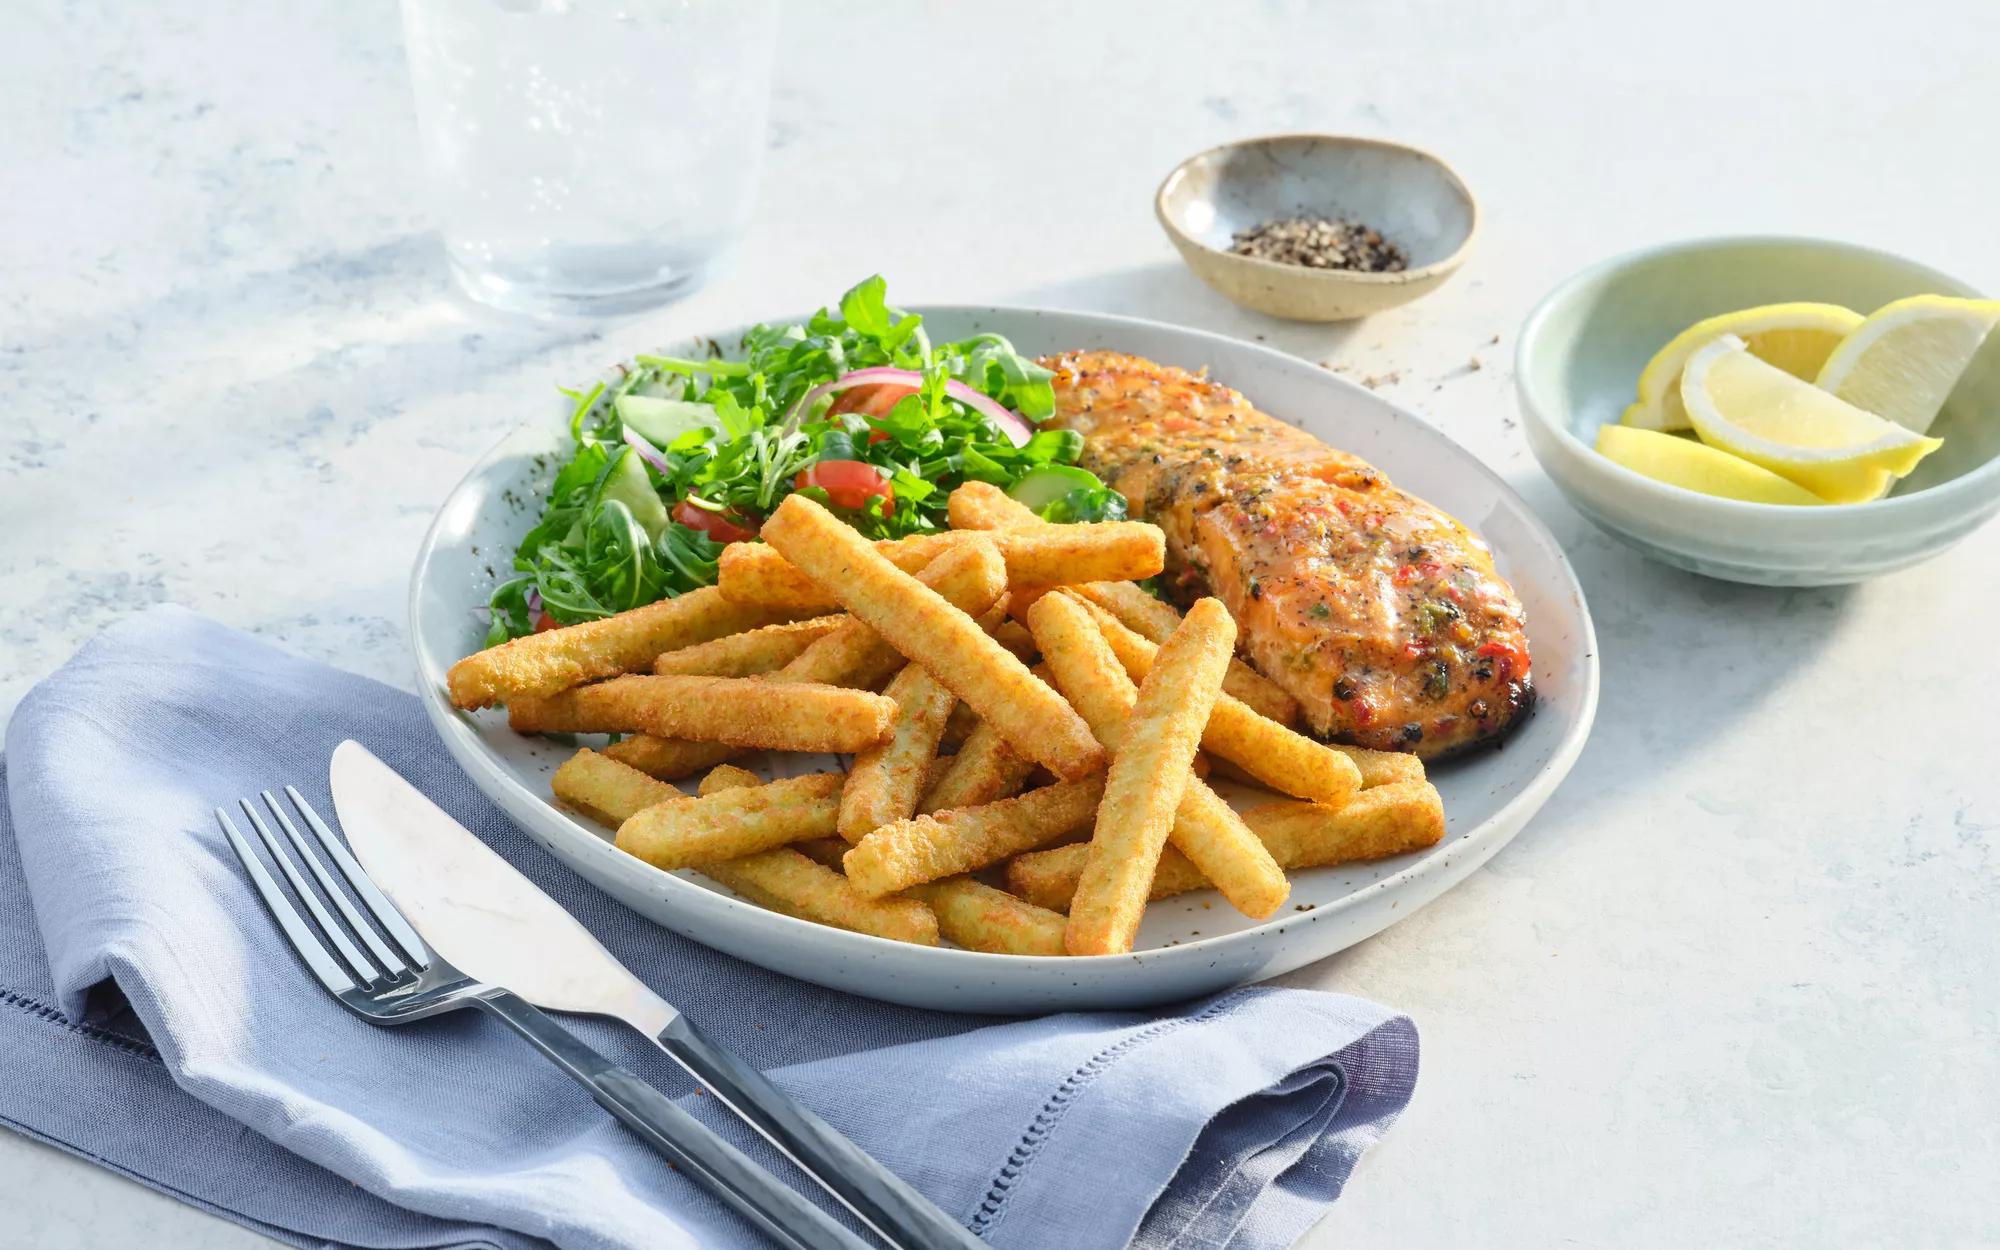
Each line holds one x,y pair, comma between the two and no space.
1174,1113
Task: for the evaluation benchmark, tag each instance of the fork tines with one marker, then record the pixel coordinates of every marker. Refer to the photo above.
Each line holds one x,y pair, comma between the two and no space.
328,947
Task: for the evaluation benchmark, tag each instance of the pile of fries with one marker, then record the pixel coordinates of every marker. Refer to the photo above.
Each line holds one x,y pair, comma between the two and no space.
1085,713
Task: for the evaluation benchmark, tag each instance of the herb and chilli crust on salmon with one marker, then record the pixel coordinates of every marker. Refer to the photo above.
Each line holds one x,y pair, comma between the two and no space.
1381,614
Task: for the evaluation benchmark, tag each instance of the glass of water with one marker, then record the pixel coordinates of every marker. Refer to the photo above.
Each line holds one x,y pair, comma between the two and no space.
590,156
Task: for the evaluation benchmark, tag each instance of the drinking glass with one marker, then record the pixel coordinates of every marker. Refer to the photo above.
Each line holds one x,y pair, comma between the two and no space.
590,156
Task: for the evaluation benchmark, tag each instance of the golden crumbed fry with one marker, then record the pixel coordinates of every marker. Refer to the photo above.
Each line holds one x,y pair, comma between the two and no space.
1210,833
969,577
606,790
895,796
1081,665
1205,828
1012,636
930,848
1382,768
1149,775
727,777
984,769
1105,551
824,851
750,653
983,506
1021,600
923,626
555,660
1385,820
980,918
781,879
786,881
980,506
741,711
851,654
1140,612
733,822
1048,878
1283,759
801,881
1377,768
1048,555
668,758
1154,620
887,779
753,573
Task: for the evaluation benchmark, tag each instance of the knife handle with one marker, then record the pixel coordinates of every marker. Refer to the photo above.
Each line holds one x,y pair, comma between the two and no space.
887,1204
784,1216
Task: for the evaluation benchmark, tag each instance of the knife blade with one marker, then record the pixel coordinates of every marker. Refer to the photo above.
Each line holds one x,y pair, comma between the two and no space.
474,907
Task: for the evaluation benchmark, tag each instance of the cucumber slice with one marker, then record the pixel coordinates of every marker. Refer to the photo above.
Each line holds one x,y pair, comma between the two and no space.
1044,484
661,421
629,485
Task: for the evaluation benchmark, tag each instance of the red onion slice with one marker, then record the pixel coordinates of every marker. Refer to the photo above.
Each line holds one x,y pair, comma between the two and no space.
647,452
1016,430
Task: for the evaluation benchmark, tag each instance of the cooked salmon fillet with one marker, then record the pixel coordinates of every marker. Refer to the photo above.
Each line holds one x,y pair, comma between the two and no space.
1379,613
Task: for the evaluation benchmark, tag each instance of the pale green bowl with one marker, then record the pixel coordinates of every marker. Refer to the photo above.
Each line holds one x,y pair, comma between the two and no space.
1578,363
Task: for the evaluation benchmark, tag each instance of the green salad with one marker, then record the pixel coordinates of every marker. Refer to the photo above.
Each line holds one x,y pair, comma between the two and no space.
855,407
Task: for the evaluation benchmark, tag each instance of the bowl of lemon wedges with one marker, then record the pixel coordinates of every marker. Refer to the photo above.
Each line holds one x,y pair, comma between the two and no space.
1788,412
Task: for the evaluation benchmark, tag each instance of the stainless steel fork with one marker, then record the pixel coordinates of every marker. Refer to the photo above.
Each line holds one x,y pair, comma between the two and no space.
384,973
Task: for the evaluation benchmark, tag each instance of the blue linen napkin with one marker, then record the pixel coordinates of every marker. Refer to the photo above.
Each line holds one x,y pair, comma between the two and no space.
151,1020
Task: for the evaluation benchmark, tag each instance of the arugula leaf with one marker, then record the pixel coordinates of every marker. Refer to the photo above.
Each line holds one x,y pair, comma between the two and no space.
1053,447
511,617
864,310
1086,503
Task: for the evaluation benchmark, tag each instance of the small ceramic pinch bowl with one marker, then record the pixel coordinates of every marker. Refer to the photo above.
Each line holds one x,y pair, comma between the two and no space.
1577,367
1414,199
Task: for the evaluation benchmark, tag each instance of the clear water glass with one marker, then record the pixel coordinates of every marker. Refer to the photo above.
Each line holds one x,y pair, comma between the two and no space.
590,156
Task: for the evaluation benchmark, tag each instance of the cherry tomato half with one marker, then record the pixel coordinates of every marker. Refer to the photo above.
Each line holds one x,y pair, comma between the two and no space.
544,623
723,527
849,483
874,400
878,400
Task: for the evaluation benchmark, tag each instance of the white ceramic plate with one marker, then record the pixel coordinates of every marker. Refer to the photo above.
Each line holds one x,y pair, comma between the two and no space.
1188,946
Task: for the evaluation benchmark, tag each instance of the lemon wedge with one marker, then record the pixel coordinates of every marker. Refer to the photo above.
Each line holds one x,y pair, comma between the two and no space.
1748,408
1697,467
1797,338
1904,359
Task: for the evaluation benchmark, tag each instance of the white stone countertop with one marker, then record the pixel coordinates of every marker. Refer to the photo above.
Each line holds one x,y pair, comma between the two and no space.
1735,986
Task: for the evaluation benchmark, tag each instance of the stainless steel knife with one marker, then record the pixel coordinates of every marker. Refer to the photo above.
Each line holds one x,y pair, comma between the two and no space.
478,912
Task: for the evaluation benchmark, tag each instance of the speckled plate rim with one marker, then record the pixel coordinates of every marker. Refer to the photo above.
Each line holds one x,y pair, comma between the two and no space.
1980,482
1470,849
1445,265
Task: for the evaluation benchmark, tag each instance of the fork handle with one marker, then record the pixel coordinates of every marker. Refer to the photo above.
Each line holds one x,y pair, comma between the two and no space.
882,1199
691,1146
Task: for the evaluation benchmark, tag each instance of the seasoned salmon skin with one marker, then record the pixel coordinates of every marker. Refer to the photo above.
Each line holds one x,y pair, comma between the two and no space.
1381,614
